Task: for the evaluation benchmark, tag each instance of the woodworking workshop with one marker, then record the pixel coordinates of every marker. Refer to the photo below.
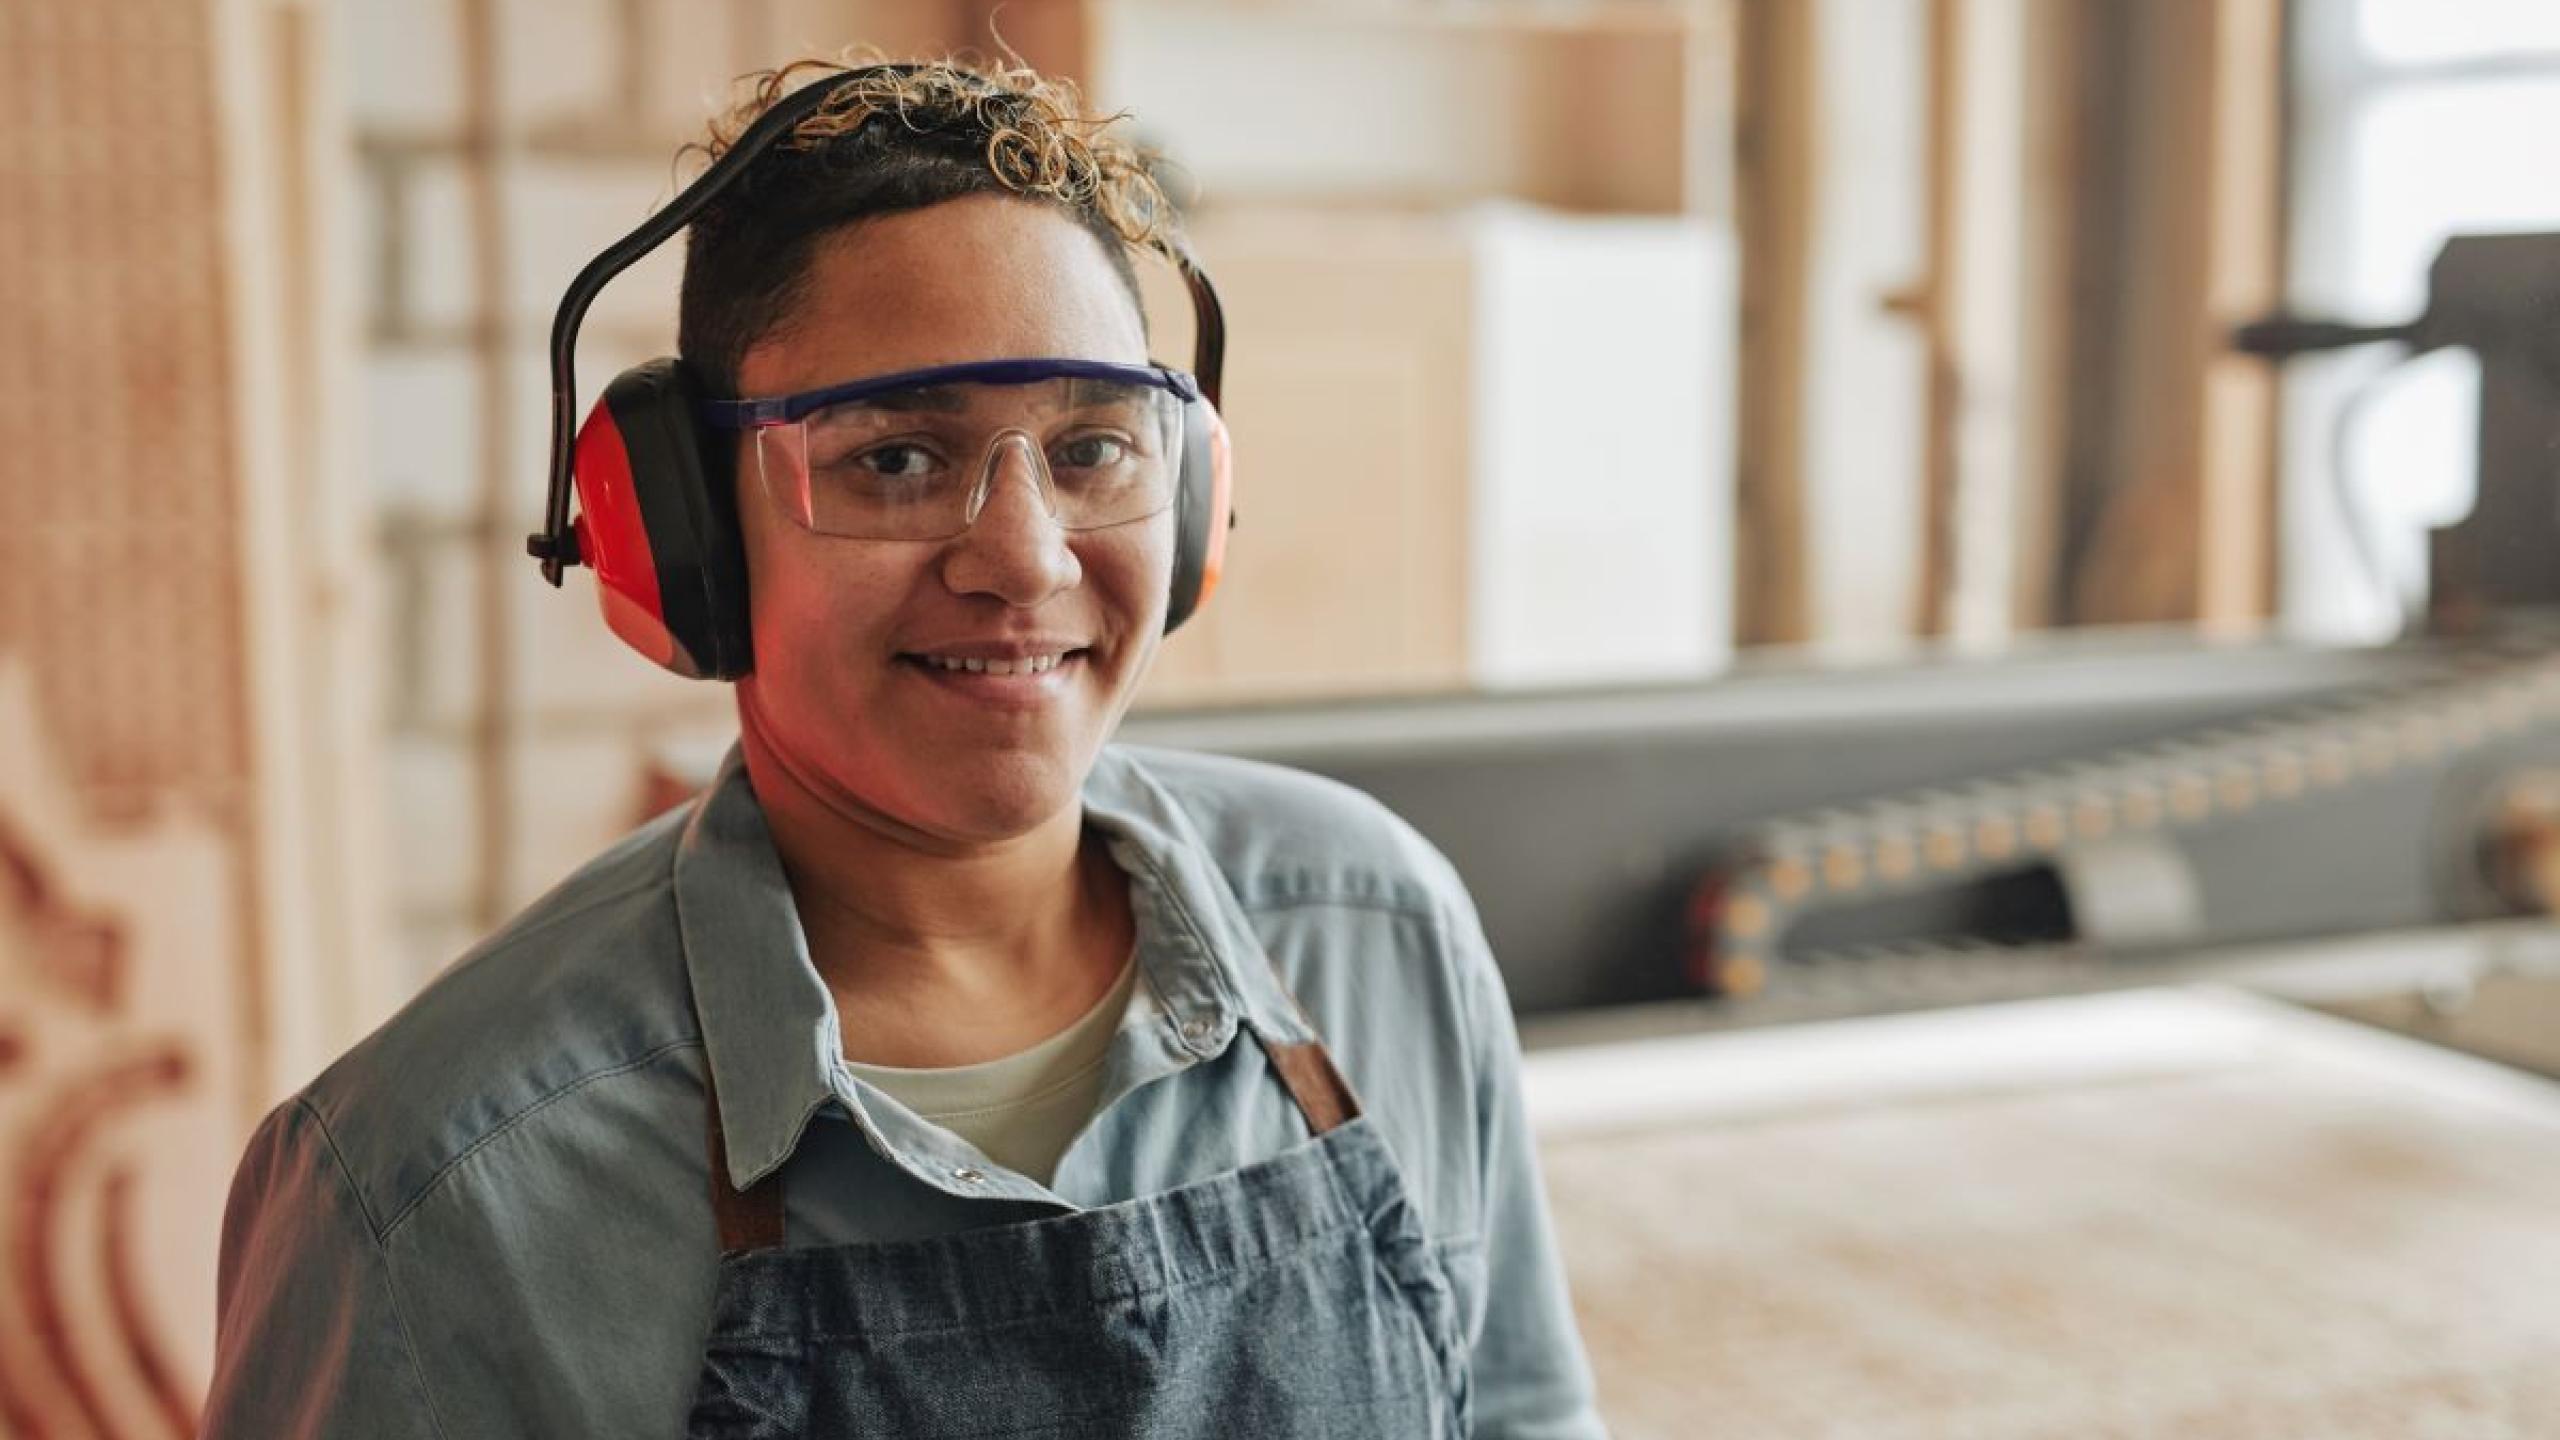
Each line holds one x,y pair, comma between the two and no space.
1237,719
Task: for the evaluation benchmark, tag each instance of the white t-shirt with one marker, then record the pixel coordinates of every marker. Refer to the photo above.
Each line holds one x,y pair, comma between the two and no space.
1020,1109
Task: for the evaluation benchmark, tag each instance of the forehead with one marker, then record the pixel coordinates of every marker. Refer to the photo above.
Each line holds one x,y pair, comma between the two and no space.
985,277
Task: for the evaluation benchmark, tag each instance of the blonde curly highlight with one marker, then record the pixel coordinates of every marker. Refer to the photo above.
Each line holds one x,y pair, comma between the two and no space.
1040,143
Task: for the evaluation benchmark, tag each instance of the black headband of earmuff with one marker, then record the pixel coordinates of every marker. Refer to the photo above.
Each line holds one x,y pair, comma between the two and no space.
555,545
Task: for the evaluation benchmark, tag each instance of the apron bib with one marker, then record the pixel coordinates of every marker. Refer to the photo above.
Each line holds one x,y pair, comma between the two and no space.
1293,1297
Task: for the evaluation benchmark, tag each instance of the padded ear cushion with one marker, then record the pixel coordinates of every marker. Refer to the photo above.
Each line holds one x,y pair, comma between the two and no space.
1202,512
658,522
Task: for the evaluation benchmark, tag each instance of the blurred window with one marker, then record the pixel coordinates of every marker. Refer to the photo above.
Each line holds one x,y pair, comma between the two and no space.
2414,120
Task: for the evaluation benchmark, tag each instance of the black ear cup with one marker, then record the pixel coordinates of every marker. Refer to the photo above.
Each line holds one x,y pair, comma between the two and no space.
1190,520
1202,503
682,484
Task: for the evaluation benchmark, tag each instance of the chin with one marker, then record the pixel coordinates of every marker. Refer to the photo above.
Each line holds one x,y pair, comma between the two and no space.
997,795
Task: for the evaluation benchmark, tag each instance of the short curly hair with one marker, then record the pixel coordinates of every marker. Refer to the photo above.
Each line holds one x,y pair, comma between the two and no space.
896,138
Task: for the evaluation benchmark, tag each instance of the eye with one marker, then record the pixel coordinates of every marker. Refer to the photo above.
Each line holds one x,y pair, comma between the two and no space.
1090,452
897,461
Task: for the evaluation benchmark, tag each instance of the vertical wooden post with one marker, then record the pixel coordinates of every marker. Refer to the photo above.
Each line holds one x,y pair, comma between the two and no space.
2244,276
1993,307
1932,303
1774,183
2050,222
2184,529
493,718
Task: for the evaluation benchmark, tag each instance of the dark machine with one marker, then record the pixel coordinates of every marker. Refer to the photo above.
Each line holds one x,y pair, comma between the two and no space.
2498,296
2090,811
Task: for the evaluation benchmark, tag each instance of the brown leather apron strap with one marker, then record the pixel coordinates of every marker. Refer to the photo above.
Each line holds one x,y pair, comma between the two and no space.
749,1219
1307,1069
1322,1094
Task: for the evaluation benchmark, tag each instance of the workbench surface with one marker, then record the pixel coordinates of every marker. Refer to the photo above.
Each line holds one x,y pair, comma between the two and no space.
2187,1213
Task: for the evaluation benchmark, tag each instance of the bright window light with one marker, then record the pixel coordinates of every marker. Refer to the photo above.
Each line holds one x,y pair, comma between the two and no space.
2418,32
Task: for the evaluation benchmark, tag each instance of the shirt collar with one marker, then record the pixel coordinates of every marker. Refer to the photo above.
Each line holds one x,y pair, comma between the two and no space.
768,1023
1193,935
769,1026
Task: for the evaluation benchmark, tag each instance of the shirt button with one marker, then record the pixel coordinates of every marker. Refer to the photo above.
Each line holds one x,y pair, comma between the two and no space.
1195,1031
969,1175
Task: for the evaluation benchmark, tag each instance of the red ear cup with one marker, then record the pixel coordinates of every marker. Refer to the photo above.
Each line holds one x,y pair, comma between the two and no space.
1202,512
1222,515
657,522
614,541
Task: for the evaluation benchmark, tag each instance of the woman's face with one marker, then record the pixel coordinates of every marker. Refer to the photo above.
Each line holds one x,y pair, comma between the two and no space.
846,689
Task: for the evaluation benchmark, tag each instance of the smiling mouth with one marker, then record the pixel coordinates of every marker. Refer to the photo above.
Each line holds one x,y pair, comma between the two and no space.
1026,665
998,666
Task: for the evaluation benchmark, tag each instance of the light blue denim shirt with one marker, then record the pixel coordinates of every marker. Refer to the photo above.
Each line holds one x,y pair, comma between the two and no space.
492,1217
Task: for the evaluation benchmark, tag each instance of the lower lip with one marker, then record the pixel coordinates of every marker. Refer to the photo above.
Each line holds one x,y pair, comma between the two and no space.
1019,692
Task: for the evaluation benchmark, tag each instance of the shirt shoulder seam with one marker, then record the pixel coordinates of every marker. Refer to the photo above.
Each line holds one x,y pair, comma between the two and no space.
382,1254
575,909
1384,905
436,1180
338,1160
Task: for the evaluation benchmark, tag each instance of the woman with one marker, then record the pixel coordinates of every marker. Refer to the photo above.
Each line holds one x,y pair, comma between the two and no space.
943,1069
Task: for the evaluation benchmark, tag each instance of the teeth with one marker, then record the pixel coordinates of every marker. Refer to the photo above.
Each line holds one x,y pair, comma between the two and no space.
1029,665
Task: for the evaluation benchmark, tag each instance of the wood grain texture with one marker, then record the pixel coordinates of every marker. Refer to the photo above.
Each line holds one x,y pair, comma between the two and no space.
1774,177
2257,1247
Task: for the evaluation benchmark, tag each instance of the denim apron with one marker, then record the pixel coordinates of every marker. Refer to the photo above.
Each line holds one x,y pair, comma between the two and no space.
1297,1296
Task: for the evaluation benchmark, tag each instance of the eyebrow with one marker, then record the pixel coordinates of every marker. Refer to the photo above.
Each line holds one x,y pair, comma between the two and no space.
1082,393
1082,390
937,399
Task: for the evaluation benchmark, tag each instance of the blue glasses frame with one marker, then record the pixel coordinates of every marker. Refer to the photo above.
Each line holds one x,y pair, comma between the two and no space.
762,413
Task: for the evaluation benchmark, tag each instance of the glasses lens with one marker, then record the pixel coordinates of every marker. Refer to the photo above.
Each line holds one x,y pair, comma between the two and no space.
906,465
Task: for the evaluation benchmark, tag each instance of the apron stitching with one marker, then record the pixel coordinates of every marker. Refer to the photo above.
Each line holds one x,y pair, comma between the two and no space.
1225,1277
1440,1349
1288,1249
1441,1355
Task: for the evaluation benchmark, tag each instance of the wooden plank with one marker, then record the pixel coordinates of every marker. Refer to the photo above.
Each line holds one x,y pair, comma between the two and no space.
1931,303
2244,277
2184,528
1993,306
495,730
1773,179
2154,1213
2050,155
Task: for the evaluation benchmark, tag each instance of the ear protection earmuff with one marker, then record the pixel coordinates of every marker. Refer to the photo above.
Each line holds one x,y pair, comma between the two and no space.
657,518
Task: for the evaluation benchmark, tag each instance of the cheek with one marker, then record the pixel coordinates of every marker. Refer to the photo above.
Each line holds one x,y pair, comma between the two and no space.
1132,569
811,595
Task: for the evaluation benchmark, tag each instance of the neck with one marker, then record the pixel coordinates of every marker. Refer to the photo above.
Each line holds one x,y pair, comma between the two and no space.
941,952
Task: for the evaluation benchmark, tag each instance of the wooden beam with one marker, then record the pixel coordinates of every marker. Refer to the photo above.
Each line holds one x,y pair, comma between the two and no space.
2244,277
1774,182
1932,304
2183,529
2050,223
485,161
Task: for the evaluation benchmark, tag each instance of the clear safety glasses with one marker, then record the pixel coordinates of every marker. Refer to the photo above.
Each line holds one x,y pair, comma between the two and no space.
917,455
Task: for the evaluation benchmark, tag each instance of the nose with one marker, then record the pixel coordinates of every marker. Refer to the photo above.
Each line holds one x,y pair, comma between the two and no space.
1014,548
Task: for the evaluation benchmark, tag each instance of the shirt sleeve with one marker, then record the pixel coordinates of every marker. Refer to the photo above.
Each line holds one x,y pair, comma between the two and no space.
309,1341
1531,1378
